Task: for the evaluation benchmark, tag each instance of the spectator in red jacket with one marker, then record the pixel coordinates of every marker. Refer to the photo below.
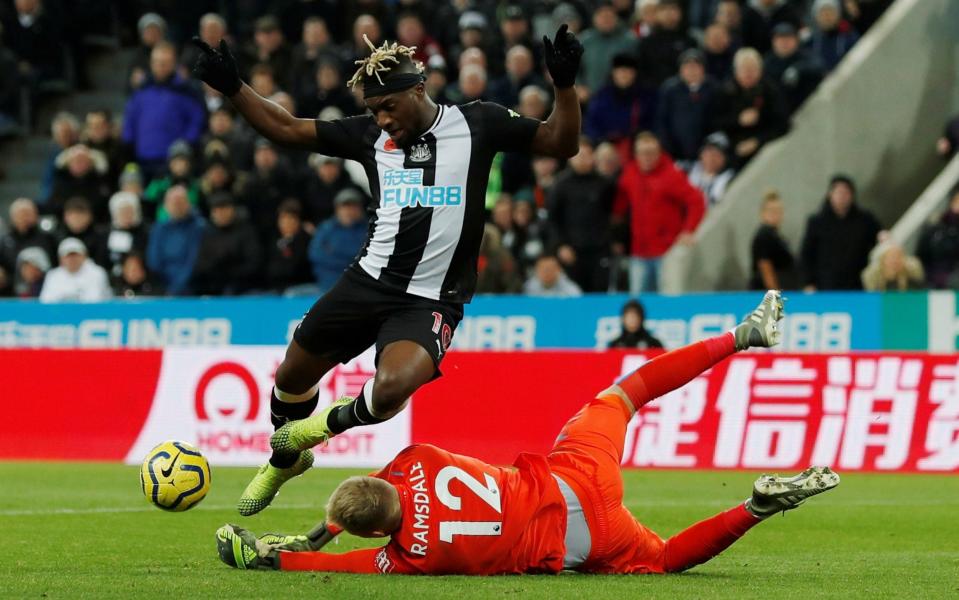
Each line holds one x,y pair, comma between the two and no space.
663,208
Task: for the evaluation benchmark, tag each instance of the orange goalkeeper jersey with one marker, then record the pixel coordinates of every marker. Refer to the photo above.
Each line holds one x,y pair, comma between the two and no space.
463,516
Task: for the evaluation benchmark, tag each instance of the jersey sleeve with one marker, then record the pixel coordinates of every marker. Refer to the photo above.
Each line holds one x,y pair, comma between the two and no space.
506,129
368,560
344,138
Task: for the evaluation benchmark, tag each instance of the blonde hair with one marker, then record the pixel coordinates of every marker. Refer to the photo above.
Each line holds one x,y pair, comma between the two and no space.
771,195
377,61
362,505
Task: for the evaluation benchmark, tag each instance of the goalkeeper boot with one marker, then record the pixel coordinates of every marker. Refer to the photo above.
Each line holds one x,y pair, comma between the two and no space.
306,433
772,493
267,481
239,548
760,328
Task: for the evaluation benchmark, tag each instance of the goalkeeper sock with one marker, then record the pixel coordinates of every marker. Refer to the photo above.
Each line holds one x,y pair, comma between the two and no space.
704,540
675,369
357,412
286,407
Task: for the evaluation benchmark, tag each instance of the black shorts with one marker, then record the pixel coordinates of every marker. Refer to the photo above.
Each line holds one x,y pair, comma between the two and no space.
359,311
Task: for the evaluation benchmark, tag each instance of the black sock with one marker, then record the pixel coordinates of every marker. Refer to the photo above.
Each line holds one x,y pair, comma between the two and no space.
352,414
284,412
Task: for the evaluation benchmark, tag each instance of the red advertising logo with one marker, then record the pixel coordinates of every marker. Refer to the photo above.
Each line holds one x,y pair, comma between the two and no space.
227,369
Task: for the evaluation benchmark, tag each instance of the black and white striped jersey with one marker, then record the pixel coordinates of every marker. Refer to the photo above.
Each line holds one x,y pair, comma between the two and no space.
428,198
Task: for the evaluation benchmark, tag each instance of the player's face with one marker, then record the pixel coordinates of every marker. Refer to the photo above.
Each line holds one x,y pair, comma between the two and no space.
397,115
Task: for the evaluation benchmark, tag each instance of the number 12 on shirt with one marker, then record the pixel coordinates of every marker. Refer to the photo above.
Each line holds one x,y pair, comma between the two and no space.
488,493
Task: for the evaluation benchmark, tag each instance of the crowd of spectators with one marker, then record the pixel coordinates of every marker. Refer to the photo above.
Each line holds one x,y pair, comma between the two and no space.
178,196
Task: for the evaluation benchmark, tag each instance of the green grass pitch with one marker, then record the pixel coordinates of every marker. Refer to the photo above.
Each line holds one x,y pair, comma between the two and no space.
84,531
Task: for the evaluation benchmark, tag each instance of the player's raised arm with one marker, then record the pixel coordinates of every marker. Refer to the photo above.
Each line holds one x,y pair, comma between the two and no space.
558,136
217,68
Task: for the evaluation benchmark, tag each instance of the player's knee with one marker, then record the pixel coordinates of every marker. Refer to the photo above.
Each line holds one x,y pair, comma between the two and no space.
292,380
391,390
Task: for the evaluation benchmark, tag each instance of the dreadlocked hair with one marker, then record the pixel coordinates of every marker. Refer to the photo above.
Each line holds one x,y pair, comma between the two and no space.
377,61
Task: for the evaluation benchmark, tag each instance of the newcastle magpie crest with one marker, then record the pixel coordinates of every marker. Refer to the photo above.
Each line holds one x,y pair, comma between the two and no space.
420,153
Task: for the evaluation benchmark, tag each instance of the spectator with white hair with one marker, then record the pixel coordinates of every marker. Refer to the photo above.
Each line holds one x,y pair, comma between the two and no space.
831,38
750,111
77,279
128,233
892,270
81,172
65,132
24,232
32,267
533,102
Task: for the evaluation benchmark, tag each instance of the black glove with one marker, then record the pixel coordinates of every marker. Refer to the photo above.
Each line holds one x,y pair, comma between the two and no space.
562,57
217,69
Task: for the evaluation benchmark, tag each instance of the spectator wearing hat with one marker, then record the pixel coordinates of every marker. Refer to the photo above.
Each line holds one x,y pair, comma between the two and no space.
152,29
81,172
327,178
179,172
229,259
634,333
77,279
837,241
774,267
339,238
287,256
131,180
760,17
78,222
219,176
174,242
663,209
268,48
620,108
660,50
710,174
686,103
794,69
938,247
327,90
31,269
520,73
607,37
127,232
164,110
473,30
24,232
831,37
750,111
579,207
549,281
134,280
718,50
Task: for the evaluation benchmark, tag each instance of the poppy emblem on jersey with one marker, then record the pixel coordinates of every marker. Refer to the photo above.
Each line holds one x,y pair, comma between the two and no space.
390,145
420,153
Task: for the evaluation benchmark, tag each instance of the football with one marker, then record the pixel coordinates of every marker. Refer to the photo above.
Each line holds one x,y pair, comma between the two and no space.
175,476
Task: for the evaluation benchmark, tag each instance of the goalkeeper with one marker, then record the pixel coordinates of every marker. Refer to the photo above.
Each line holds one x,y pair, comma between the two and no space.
451,514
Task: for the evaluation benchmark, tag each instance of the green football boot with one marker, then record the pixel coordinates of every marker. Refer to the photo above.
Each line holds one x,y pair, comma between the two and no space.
267,481
305,433
760,329
773,494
